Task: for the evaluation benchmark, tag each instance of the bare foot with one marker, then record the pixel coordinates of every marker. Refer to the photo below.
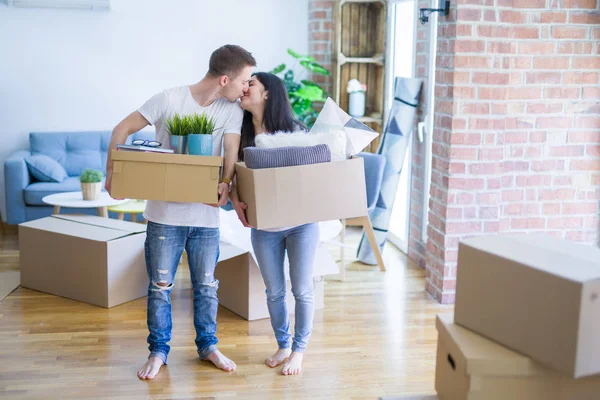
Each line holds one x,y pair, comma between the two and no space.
277,358
150,369
220,361
293,365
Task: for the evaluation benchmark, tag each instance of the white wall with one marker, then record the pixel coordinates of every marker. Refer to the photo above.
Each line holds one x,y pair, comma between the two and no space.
65,70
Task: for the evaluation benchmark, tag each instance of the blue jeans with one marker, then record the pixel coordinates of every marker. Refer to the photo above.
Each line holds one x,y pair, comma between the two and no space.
301,245
164,247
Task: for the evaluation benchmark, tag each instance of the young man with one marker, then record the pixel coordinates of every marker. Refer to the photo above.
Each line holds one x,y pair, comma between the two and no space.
173,227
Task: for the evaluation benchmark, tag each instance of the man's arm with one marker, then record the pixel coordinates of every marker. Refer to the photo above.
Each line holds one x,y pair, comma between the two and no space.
131,124
231,145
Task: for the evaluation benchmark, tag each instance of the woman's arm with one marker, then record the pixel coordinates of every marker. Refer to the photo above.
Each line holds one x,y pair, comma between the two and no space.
239,206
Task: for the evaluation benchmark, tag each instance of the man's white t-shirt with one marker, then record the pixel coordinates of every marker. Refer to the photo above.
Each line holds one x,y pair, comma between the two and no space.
228,119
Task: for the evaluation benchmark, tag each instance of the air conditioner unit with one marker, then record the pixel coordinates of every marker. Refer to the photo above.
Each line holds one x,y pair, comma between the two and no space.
95,5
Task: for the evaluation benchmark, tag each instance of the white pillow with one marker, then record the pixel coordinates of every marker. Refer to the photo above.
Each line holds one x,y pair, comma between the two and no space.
336,141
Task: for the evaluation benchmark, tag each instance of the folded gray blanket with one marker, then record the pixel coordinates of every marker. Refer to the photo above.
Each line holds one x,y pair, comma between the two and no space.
257,158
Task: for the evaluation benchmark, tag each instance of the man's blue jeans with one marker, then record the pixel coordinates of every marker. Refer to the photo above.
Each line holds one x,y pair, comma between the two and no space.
164,247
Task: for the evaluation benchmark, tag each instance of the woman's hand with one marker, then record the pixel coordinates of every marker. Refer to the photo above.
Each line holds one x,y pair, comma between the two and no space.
240,208
223,191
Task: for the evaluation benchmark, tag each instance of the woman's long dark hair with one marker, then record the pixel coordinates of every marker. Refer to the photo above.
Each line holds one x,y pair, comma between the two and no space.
278,114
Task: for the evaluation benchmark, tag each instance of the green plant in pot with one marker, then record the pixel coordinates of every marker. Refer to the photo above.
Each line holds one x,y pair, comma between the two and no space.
304,94
179,128
200,139
91,183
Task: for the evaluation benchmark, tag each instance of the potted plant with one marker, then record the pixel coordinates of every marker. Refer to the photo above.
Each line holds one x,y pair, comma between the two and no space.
200,140
91,183
304,94
178,127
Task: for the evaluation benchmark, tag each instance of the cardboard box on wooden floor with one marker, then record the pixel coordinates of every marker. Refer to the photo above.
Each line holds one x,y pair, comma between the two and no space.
471,367
90,259
167,177
535,294
242,289
290,196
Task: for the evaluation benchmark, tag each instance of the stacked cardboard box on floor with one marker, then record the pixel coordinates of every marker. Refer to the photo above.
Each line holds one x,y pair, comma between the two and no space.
86,258
526,322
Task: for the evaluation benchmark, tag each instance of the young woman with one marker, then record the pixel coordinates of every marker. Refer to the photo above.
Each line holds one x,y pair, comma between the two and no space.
266,111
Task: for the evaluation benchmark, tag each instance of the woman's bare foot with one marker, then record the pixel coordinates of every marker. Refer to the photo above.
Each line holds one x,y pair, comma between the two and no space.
150,369
293,365
220,361
278,358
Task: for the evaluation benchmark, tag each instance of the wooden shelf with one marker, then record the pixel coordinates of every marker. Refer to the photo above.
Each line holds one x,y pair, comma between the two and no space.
360,54
363,27
371,118
370,74
377,59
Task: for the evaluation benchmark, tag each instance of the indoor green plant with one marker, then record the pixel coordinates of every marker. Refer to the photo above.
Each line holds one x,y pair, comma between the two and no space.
91,183
303,93
200,140
179,128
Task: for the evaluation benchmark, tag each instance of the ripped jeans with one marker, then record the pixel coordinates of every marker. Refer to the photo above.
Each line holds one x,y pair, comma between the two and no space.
164,247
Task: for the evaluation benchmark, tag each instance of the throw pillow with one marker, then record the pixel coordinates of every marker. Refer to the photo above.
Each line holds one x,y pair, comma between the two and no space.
256,158
335,140
45,169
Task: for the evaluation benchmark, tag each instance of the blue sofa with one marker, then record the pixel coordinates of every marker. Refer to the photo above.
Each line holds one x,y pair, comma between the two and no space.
75,151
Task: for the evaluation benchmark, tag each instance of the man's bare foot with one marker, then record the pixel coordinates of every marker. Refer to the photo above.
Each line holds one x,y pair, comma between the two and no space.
293,365
150,369
277,358
220,361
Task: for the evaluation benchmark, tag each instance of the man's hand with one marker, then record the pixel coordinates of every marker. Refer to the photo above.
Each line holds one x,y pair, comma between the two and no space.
240,208
223,194
132,123
108,183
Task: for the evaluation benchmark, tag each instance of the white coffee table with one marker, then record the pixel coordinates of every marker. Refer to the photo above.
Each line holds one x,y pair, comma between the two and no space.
75,200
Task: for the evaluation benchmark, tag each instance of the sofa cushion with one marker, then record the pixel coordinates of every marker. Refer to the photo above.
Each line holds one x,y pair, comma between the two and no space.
76,151
35,192
45,169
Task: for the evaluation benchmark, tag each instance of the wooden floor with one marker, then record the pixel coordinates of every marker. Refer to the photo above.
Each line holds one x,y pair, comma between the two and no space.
376,337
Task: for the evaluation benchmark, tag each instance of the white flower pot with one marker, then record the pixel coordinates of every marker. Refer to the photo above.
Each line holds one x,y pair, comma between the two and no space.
91,191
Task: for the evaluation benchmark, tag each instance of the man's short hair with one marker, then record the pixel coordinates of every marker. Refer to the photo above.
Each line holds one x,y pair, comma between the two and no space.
229,60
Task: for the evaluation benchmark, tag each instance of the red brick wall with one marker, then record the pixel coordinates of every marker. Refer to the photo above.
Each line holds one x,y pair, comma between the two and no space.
416,246
320,38
516,141
517,127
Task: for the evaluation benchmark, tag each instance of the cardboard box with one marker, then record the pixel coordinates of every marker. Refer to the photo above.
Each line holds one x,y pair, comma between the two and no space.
289,196
167,177
535,294
242,289
471,367
90,259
